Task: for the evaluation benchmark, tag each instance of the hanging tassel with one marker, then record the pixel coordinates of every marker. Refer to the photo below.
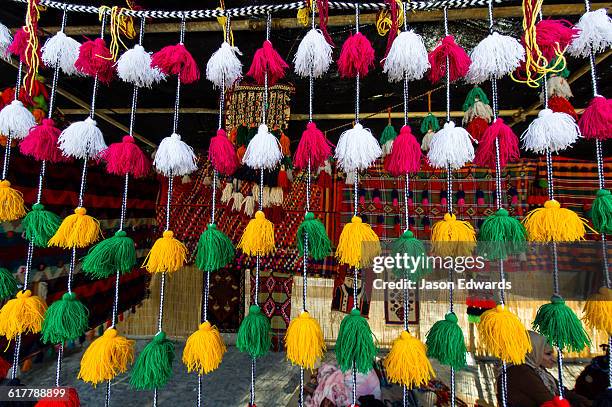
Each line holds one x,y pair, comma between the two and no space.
263,151
556,402
450,146
126,158
554,36
313,56
117,253
258,236
445,342
319,246
561,105
174,157
601,211
11,203
215,250
267,61
41,143
358,244
82,140
313,146
595,34
65,320
95,59
254,333
407,58
357,149
176,60
494,57
304,341
597,311
408,245
405,156
457,57
477,127
8,284
19,45
106,357
222,155
501,235
204,350
476,94
596,120
22,314
557,85
5,42
452,237
554,224
166,256
355,344
224,68
62,52
560,325
70,399
356,56
550,131
153,368
134,66
503,335
430,123
508,146
407,363
78,230
39,225
16,120
386,139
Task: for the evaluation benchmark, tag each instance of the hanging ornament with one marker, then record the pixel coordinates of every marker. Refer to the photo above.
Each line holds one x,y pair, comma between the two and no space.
498,136
126,158
387,136
41,143
134,66
5,41
407,363
356,56
560,325
176,60
550,131
494,57
448,52
263,151
597,310
357,149
8,284
407,58
477,114
224,68
445,342
503,335
62,52
267,65
405,155
596,120
313,56
22,314
595,34
313,147
450,146
95,60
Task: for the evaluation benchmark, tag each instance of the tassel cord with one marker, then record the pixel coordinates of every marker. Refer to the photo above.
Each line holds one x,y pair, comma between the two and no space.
252,390
9,137
16,353
58,368
94,92
107,397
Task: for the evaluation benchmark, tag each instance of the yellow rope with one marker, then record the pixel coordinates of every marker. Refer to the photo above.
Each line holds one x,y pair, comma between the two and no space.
222,20
31,53
383,19
303,14
119,24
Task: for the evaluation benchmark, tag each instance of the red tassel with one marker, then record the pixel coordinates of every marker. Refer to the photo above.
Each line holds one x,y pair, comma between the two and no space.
268,60
71,399
222,155
508,145
126,158
41,143
562,105
596,120
283,180
313,145
405,156
553,36
356,56
323,11
176,60
556,402
19,45
96,59
477,127
459,60
393,12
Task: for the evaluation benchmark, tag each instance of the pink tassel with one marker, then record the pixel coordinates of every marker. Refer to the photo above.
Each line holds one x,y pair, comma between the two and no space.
95,59
268,60
596,120
126,158
41,143
222,155
553,36
405,156
459,60
176,60
356,56
313,145
508,145
19,45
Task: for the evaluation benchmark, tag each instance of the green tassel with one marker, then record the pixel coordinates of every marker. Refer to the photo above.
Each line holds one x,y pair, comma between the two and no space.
355,344
254,333
66,319
475,93
242,135
560,325
412,247
319,245
445,342
501,235
8,284
215,250
116,253
388,134
40,225
601,211
153,368
473,319
430,122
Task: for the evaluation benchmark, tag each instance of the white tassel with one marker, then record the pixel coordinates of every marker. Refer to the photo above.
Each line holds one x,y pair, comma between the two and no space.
174,157
557,86
357,149
237,199
314,54
224,67
82,140
494,57
450,146
276,196
478,109
249,206
61,51
16,120
427,140
5,41
263,151
266,197
134,66
595,34
226,195
552,131
407,56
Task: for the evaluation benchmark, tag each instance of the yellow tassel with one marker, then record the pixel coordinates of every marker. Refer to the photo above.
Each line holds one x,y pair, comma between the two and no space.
407,363
304,341
204,349
554,224
503,335
358,244
106,357
452,237
258,236
598,310
78,230
166,256
11,203
23,314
